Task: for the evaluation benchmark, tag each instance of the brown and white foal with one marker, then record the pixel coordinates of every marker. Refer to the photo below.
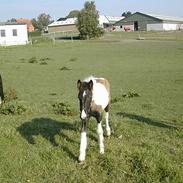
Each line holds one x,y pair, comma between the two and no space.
94,98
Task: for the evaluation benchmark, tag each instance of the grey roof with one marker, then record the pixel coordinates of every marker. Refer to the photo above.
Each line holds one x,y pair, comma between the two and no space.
162,17
11,23
166,18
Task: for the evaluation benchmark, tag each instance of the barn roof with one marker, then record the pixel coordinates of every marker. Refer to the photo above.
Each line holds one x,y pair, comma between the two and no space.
67,21
164,17
153,16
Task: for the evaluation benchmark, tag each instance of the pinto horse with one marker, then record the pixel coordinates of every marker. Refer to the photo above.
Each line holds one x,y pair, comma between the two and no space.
94,99
1,90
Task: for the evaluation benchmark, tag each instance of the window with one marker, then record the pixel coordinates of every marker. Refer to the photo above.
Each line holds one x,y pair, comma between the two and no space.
14,32
3,33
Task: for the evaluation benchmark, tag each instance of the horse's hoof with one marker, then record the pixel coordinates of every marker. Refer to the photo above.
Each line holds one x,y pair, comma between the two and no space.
81,162
102,151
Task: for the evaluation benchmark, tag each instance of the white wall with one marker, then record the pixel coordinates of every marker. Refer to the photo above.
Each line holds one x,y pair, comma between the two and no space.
155,27
162,27
170,26
9,39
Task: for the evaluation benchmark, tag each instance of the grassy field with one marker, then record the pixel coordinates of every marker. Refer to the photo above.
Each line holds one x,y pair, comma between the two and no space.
146,145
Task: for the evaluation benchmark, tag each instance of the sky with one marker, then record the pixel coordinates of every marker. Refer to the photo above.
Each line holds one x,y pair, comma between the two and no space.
61,8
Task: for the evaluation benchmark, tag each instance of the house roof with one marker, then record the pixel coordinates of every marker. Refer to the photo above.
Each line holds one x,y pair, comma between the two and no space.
24,20
11,23
68,21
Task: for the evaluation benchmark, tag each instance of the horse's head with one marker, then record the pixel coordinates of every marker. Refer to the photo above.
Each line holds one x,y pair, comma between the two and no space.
85,97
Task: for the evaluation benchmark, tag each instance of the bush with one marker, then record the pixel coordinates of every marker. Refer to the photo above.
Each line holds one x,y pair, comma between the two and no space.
10,95
63,109
13,108
43,63
73,59
10,104
33,60
64,68
130,94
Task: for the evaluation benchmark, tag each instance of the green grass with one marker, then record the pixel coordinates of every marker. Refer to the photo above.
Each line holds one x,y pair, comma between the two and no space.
147,131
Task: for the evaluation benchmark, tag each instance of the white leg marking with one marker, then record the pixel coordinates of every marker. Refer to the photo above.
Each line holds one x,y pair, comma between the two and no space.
107,124
0,100
83,145
101,137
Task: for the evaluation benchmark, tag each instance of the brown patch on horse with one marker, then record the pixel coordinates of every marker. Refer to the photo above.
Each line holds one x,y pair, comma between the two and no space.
105,83
96,108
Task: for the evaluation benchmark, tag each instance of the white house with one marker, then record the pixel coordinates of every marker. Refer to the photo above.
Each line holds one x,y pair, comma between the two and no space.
13,34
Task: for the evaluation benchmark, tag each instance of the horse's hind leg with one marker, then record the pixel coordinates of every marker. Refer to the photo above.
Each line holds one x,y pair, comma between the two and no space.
100,133
108,129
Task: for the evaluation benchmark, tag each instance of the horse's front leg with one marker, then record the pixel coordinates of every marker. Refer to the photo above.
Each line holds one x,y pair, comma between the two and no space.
83,142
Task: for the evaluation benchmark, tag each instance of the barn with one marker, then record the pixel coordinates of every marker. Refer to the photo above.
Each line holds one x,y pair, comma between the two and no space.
149,22
69,24
13,34
63,25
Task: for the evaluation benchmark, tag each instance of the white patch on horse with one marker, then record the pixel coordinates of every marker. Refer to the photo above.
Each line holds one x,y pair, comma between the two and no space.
100,95
83,146
83,114
84,93
0,100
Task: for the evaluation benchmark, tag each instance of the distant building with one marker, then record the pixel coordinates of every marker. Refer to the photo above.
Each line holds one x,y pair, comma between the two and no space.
13,34
149,22
28,22
108,21
69,24
63,25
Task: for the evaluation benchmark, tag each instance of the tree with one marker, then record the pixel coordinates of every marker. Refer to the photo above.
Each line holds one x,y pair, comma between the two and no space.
87,23
73,14
12,20
126,14
42,21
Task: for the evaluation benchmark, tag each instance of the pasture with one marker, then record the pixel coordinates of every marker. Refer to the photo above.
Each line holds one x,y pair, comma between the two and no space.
146,115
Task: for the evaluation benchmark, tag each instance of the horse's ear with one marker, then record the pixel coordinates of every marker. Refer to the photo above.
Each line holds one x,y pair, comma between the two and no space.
90,84
79,84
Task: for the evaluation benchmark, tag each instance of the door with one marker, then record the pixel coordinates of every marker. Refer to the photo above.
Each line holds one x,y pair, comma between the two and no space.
136,26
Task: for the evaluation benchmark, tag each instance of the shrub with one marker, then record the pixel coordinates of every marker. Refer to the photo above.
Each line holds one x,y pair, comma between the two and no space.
73,59
13,108
33,60
10,95
130,94
45,59
64,68
43,63
63,109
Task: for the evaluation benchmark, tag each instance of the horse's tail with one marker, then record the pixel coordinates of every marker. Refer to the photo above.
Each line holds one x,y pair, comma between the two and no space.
1,89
